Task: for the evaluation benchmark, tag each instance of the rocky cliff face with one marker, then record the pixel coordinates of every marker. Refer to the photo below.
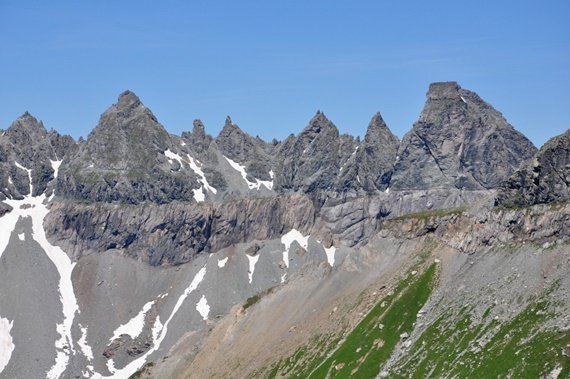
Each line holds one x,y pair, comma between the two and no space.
459,141
29,157
175,233
545,179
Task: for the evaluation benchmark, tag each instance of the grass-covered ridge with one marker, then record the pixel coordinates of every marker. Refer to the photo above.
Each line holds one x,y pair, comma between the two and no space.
363,352
371,343
454,346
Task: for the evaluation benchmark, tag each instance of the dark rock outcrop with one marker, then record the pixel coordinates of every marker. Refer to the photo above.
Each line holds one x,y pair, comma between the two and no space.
459,141
545,179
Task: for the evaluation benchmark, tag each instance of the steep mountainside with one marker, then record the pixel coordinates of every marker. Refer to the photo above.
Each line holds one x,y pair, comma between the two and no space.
30,157
138,253
545,179
459,141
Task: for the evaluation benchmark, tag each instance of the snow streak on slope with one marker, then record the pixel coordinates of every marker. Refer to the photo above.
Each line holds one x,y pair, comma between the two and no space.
35,208
251,185
85,348
330,254
172,156
287,240
252,261
198,193
6,343
158,334
135,325
55,165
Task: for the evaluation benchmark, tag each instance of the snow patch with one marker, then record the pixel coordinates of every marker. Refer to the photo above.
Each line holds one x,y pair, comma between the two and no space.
222,262
172,156
195,166
251,185
199,195
462,99
203,308
111,366
330,255
387,190
55,166
158,334
6,342
10,180
252,261
134,326
287,240
84,346
182,143
22,236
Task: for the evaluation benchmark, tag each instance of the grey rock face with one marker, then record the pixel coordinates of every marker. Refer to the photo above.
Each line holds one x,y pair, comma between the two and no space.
27,143
459,141
545,179
174,233
197,138
309,162
246,150
124,160
372,166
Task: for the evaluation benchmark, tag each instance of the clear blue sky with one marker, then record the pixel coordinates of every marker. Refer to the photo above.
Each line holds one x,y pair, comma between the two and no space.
272,64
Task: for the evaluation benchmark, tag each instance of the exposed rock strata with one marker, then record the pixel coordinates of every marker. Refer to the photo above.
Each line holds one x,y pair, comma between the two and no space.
545,179
176,232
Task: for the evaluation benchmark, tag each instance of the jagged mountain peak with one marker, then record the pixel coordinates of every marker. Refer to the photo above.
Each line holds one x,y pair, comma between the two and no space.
231,128
241,147
28,125
443,90
459,141
128,99
127,108
319,127
377,126
124,160
198,127
377,120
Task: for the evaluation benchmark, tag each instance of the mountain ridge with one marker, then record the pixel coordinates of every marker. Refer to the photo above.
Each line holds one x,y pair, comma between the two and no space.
320,255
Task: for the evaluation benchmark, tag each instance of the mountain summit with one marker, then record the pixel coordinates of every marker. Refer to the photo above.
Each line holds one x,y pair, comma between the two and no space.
459,141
